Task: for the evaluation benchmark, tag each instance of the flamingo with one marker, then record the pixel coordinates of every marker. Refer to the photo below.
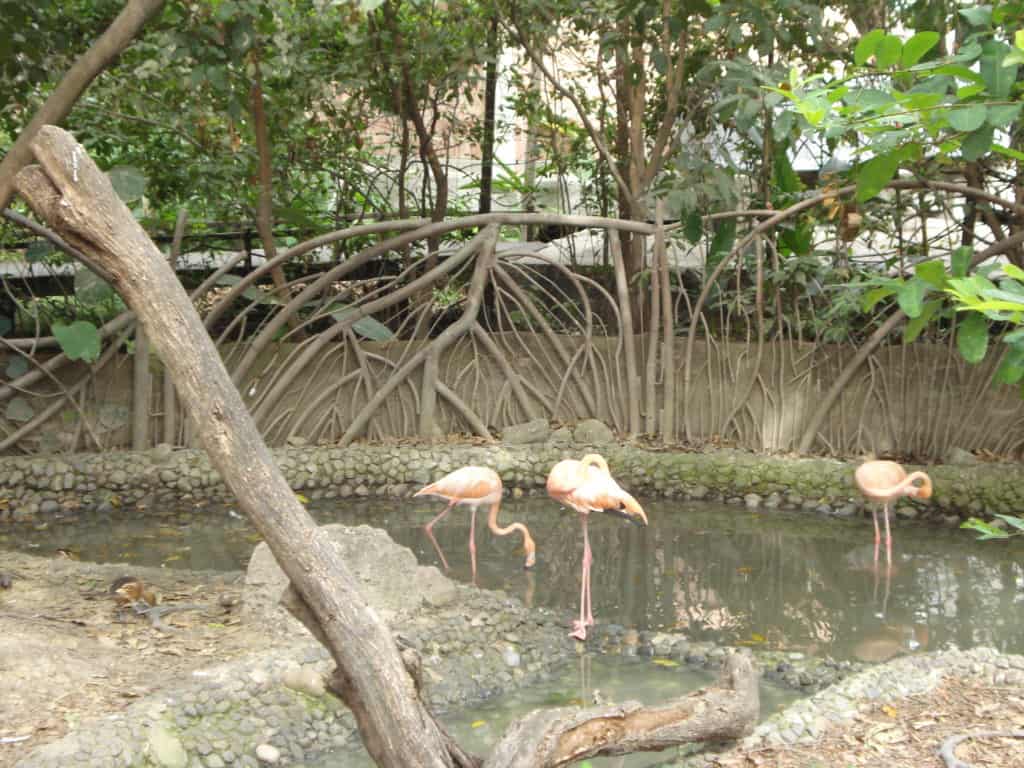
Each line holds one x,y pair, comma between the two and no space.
474,487
884,482
587,486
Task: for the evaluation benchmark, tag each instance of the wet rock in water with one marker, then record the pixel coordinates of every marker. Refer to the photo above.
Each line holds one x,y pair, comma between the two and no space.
535,431
388,575
752,501
593,432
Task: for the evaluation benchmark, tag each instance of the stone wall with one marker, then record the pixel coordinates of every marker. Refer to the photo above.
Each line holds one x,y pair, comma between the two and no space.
39,485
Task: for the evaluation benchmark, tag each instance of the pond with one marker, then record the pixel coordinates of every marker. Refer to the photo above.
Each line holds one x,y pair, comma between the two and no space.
764,579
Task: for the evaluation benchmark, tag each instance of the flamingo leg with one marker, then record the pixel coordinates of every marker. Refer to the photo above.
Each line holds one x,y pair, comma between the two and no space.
472,541
430,533
579,628
588,556
874,518
888,537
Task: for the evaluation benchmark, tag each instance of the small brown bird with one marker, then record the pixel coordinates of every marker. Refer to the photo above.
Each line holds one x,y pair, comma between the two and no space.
130,592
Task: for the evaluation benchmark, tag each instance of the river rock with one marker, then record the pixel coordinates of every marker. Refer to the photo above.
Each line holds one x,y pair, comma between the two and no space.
959,456
388,576
593,432
535,431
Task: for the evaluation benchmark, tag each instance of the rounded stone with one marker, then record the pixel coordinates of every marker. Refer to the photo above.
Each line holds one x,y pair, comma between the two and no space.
268,753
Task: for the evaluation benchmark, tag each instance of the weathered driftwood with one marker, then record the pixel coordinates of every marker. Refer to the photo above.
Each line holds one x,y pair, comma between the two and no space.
546,738
377,680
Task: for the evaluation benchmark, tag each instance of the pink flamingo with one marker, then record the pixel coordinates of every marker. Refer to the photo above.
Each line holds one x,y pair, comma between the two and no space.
587,486
474,487
884,482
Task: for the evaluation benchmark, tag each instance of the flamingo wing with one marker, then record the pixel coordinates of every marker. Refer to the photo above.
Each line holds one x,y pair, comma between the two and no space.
470,484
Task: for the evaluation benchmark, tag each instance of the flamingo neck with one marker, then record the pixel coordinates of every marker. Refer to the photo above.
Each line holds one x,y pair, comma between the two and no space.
596,460
497,530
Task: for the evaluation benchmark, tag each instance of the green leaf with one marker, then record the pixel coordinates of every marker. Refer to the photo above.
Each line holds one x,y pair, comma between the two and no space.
1007,152
1013,521
875,295
918,46
694,228
968,118
998,78
960,260
16,366
722,242
1011,369
978,16
888,51
987,530
917,324
367,327
1003,115
932,272
18,409
79,341
1012,270
972,338
873,176
911,296
866,46
977,144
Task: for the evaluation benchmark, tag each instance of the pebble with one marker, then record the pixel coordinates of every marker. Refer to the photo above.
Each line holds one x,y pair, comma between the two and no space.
268,753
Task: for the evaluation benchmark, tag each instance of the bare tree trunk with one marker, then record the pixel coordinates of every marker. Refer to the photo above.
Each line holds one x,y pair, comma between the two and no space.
111,43
265,205
142,391
170,398
490,107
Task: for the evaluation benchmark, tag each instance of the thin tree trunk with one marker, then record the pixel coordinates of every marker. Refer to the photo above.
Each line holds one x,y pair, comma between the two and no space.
142,391
490,107
668,357
265,204
170,398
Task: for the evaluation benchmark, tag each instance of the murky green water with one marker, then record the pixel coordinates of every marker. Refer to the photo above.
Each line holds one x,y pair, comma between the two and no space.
719,573
590,679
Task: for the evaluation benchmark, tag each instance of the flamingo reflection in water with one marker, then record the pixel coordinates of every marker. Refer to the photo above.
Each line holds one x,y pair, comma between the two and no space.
474,487
587,486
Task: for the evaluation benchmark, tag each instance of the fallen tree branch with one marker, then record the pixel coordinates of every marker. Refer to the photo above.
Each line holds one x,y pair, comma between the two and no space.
547,738
950,744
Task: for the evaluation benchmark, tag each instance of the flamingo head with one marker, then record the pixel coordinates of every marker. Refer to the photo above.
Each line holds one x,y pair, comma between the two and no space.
630,510
922,491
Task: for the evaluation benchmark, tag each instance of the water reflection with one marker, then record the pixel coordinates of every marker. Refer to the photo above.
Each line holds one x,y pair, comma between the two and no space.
717,573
